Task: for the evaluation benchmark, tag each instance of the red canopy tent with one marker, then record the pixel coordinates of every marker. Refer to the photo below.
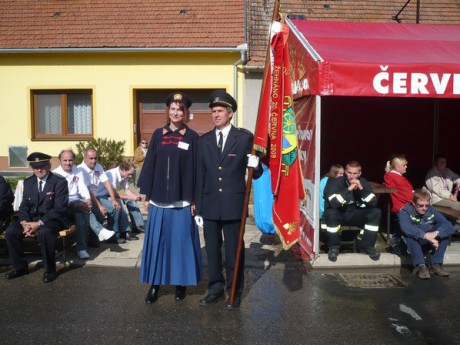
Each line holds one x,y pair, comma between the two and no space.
366,90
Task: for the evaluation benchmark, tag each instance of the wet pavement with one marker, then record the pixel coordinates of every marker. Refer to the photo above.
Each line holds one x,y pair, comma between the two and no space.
291,305
286,301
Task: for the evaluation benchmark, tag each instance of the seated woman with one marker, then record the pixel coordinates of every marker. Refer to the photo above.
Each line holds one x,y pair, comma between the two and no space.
395,169
335,170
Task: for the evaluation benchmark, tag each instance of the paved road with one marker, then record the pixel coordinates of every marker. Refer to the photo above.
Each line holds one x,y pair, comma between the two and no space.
283,304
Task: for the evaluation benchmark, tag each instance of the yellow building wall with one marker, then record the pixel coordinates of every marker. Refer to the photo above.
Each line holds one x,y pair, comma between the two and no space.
112,77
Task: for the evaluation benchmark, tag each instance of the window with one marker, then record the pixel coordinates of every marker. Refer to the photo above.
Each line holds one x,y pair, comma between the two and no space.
62,114
17,157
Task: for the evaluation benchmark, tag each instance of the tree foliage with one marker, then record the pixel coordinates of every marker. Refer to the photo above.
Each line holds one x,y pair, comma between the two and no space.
110,152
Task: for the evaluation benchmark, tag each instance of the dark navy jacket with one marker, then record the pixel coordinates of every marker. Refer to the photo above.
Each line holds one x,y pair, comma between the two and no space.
221,184
337,195
51,204
6,198
415,225
168,173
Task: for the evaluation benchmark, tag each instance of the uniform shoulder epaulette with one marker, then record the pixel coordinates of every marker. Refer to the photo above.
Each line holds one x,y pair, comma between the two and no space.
244,130
31,176
57,175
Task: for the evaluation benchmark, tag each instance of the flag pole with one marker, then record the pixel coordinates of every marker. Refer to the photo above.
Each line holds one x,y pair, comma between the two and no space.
239,250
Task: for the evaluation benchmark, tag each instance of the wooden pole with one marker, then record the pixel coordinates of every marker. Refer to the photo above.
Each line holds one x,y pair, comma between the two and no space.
240,249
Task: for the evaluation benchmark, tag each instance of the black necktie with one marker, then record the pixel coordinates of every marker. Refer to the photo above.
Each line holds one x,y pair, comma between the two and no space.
40,186
220,143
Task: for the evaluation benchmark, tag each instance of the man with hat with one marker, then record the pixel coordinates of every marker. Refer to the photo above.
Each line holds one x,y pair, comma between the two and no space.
41,214
222,157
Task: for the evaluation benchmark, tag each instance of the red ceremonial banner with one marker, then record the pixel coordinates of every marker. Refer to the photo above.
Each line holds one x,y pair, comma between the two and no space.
276,136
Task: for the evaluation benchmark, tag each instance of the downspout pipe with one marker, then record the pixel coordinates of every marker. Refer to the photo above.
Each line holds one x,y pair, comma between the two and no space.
243,50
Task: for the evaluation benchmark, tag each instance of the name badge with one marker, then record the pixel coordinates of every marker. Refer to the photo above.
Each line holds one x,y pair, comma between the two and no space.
182,145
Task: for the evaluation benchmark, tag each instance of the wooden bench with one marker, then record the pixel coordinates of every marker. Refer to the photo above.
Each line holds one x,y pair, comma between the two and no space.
449,213
63,235
452,215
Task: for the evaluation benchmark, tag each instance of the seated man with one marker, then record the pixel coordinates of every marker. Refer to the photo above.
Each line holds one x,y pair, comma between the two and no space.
80,204
349,200
425,228
41,214
119,177
440,182
94,176
6,203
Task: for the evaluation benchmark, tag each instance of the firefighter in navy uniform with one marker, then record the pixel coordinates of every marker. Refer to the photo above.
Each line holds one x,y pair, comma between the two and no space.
41,214
349,200
222,159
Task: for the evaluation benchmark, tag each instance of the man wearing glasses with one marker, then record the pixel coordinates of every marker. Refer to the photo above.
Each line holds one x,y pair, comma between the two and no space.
425,229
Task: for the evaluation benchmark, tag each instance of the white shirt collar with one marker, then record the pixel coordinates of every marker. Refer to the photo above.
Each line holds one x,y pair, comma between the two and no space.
43,179
224,131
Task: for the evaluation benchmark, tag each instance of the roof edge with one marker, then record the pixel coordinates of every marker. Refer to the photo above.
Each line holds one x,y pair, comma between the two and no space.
239,49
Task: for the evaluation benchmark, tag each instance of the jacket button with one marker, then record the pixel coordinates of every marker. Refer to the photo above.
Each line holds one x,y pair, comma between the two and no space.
220,168
220,189
220,178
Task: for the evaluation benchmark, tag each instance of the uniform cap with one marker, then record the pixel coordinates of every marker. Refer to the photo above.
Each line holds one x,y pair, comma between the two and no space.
179,97
223,99
37,159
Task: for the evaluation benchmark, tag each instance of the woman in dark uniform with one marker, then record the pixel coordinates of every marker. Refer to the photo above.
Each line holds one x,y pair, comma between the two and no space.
171,254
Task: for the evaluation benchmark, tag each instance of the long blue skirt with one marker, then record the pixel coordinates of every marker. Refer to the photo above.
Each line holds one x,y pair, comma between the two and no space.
172,253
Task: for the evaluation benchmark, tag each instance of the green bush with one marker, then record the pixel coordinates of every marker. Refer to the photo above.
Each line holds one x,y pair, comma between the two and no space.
13,181
110,152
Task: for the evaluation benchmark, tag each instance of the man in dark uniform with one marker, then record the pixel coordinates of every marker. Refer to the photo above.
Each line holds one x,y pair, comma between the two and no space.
349,200
41,214
6,203
222,157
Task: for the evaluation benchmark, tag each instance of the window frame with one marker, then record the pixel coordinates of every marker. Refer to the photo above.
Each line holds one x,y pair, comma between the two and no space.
64,93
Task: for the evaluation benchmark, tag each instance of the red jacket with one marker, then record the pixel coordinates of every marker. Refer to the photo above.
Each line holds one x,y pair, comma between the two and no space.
405,191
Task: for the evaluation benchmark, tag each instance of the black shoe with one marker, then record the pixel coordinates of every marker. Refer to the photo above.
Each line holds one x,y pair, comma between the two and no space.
49,277
236,304
373,253
17,273
121,240
180,292
332,254
130,237
152,295
211,298
138,230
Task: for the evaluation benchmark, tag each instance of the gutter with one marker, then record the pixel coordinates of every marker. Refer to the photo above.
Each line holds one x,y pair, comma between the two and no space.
243,50
238,49
255,68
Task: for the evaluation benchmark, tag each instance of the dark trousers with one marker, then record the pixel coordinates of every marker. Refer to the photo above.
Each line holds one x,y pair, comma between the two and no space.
47,235
417,247
353,216
212,230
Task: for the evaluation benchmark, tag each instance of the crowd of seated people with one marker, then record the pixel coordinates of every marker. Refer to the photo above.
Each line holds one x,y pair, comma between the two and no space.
50,201
349,200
